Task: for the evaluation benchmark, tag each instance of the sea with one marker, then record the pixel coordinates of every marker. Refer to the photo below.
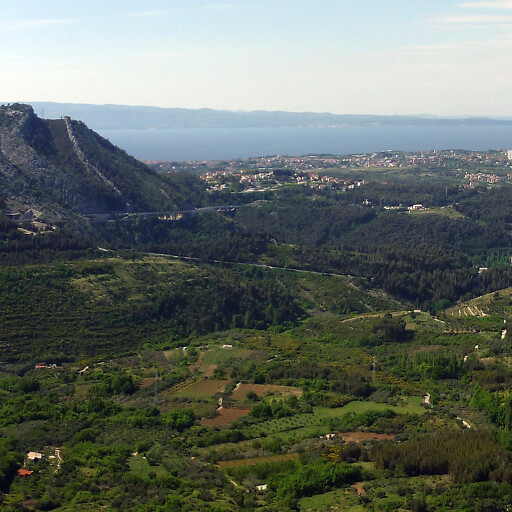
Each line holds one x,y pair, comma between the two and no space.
232,143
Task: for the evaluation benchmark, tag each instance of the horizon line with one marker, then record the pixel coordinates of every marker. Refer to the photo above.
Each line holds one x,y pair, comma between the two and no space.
244,111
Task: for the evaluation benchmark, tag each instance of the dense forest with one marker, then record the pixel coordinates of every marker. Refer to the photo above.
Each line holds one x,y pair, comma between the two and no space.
426,259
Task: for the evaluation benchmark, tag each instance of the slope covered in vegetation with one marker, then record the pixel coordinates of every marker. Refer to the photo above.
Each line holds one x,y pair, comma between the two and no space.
60,165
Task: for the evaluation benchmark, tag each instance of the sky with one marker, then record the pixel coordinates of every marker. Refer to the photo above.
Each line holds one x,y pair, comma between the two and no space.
439,57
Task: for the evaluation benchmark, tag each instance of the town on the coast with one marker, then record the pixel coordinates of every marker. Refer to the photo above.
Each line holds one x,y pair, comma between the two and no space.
259,174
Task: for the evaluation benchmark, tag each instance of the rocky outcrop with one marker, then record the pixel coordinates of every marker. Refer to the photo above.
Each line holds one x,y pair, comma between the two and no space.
61,165
23,172
81,156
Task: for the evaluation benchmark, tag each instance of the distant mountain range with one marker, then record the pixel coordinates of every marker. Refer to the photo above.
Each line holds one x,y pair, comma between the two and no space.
111,117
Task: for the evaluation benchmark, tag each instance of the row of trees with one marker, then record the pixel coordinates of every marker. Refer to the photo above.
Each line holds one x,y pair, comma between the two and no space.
468,456
221,302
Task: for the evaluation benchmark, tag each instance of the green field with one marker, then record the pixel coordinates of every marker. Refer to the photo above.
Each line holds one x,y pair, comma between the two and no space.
222,356
140,466
301,426
450,213
259,460
341,499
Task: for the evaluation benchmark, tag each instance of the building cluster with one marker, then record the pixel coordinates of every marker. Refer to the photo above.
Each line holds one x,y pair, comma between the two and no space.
260,174
478,178
45,366
437,158
310,163
416,207
316,181
32,458
263,180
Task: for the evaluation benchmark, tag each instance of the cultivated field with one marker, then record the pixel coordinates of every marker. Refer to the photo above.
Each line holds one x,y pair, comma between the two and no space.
241,391
304,425
203,389
258,460
225,416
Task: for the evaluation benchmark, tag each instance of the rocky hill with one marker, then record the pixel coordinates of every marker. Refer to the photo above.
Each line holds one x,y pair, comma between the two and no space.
61,167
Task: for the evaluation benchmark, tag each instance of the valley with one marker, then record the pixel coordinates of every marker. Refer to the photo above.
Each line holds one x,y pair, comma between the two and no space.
243,408
312,348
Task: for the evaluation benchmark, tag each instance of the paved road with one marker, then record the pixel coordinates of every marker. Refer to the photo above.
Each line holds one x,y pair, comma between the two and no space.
103,217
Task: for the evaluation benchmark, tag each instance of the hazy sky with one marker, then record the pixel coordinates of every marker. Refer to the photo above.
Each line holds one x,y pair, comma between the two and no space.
448,57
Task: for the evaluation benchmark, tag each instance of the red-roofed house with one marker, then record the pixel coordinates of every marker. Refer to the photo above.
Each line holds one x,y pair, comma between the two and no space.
24,472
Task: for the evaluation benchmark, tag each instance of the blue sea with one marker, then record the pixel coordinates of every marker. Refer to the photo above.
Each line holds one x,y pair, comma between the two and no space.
230,143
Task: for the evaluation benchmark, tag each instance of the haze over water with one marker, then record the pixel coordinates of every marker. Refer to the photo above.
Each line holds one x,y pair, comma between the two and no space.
229,143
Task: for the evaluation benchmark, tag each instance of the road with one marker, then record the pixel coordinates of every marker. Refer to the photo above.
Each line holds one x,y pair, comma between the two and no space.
104,217
249,264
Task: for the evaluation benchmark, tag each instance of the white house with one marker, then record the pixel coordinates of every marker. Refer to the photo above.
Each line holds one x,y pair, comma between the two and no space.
33,456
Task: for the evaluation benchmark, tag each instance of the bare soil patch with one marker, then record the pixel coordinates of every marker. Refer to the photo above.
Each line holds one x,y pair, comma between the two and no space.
197,364
225,416
209,372
359,488
205,387
147,382
358,437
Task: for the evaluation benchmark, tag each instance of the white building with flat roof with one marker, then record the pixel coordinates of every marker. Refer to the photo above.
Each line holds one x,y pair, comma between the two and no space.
33,456
509,154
